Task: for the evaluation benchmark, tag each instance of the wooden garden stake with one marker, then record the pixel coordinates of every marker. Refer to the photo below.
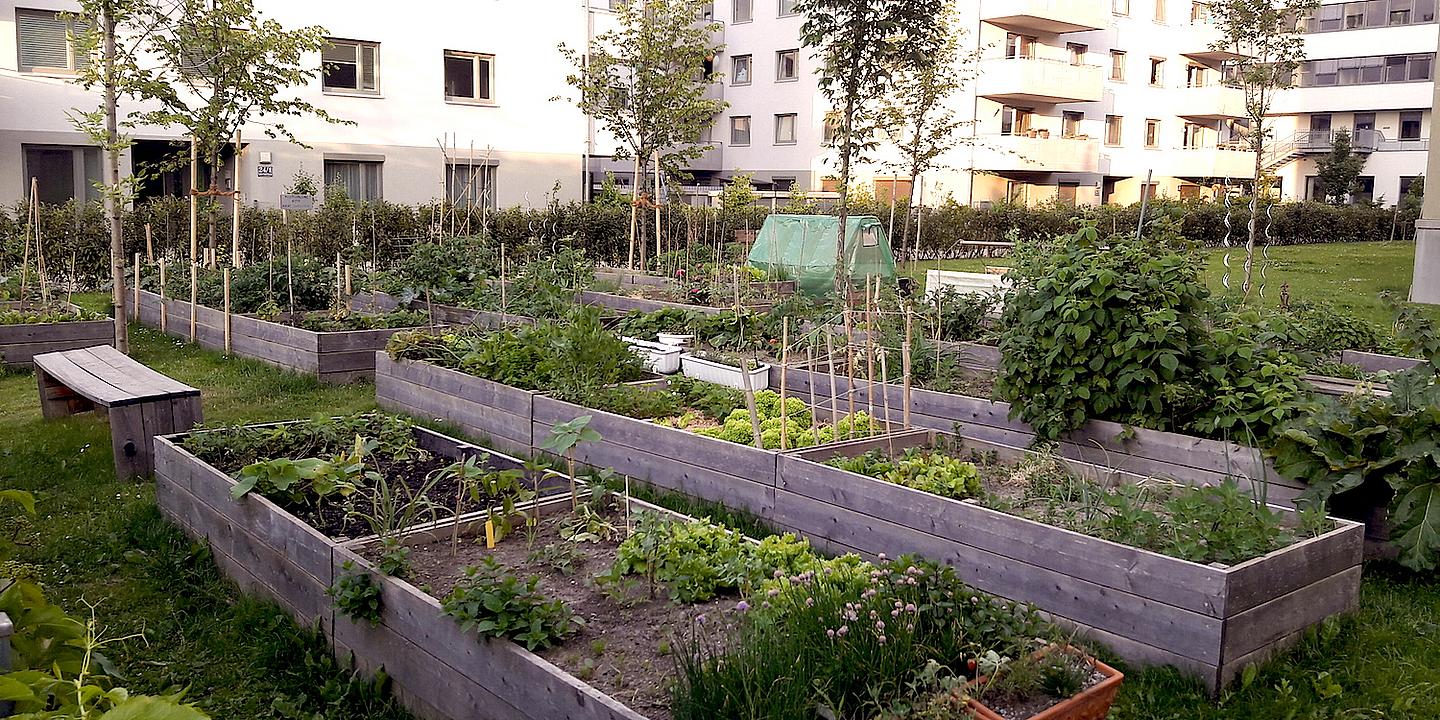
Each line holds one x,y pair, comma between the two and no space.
784,361
937,328
194,202
290,271
339,287
149,245
235,203
164,309
348,293
225,277
135,292
885,396
905,370
869,354
194,296
504,305
814,409
750,403
834,394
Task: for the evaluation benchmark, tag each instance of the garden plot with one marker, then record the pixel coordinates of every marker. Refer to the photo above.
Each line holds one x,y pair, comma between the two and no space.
333,355
29,329
1206,579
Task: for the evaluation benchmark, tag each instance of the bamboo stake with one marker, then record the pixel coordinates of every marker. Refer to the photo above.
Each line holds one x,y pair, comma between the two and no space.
504,304
745,377
290,271
814,409
194,202
194,296
885,383
834,395
339,286
225,277
235,203
849,370
149,245
135,292
348,292
784,361
905,370
34,230
164,307
869,353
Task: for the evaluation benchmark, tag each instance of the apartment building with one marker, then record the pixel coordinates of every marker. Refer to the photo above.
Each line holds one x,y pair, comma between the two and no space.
408,82
1370,71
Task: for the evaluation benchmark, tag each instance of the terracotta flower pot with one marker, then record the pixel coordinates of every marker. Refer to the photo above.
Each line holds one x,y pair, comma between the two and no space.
1091,704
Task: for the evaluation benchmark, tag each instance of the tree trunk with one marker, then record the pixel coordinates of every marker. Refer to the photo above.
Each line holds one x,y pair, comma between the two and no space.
905,226
842,273
634,211
112,179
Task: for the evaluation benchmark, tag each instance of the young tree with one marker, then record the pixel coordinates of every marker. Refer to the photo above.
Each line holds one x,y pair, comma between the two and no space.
917,115
1338,172
223,67
1263,38
861,45
645,83
111,33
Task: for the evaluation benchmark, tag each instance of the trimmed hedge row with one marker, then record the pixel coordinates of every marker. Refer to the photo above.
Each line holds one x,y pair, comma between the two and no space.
380,232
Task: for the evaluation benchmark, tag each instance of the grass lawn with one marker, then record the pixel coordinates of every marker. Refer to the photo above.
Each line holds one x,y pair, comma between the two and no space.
100,541
1349,275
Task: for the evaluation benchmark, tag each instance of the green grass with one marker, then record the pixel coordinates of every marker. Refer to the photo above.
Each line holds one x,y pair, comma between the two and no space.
101,541
1350,276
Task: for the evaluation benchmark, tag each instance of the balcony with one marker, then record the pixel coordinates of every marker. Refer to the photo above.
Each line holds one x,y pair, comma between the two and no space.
1038,154
1211,102
1037,81
1047,16
1224,161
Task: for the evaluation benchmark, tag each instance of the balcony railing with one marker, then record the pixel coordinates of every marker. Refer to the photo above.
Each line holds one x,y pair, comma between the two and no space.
1040,80
1214,101
1040,151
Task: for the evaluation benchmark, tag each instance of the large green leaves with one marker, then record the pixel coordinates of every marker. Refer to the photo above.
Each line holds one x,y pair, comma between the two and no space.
1417,526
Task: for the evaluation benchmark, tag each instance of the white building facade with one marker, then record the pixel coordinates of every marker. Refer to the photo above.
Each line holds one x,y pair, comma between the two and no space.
1075,100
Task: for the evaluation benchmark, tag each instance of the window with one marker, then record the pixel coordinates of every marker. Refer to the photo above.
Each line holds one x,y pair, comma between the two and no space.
46,42
1199,12
785,129
1066,192
1410,124
1070,124
1120,7
359,178
1117,65
787,7
1152,133
1320,123
1195,76
1160,11
742,11
787,65
1016,121
783,184
1157,72
1194,136
1077,53
1364,122
62,172
470,185
1019,46
350,66
469,76
1114,126
740,130
1405,182
829,131
740,70
1362,14
1371,70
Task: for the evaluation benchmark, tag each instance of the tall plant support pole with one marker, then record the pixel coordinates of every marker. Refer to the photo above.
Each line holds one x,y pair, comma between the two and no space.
164,306
905,369
135,292
149,245
784,361
919,220
194,230
112,181
1426,285
834,394
235,221
634,211
225,275
657,209
1145,206
745,377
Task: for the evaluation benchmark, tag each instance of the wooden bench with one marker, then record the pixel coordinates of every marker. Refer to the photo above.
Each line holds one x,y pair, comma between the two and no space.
139,402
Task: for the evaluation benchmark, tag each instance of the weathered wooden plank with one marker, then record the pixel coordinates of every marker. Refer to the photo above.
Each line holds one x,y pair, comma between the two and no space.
1193,635
420,401
351,340
361,361
664,473
452,382
1299,609
1376,362
56,331
1259,580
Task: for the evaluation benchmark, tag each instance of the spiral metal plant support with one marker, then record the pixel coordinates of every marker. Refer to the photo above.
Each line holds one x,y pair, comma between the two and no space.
1265,249
1225,241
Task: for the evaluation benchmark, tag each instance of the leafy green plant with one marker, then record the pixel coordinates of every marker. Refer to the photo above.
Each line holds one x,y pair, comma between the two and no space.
560,557
562,441
695,560
393,558
309,480
490,600
356,595
920,469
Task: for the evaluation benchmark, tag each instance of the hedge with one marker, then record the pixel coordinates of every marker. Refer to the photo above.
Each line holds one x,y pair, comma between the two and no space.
379,232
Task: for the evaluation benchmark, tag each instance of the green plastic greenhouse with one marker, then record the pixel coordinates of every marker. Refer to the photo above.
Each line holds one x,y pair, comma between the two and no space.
803,247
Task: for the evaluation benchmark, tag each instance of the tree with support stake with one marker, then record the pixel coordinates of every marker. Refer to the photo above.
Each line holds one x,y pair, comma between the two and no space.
645,82
1265,48
860,46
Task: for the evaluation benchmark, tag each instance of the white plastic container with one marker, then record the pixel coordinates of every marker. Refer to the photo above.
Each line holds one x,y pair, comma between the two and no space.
676,339
726,375
659,358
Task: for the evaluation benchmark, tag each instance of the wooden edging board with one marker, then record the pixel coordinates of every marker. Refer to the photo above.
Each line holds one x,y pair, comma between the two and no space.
437,670
333,357
20,343
1209,620
373,300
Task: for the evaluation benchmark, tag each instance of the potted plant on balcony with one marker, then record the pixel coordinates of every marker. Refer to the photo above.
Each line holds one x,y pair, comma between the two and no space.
1056,682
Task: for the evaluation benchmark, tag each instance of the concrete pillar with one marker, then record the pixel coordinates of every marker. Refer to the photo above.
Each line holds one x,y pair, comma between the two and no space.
1425,287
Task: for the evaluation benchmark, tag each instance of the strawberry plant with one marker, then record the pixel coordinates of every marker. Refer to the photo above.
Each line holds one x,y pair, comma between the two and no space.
490,600
356,595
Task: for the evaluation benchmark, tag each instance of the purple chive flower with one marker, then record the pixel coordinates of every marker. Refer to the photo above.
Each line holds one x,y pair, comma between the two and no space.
742,606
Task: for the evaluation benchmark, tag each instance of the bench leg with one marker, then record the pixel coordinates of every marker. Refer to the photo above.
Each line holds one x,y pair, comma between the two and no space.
56,400
129,442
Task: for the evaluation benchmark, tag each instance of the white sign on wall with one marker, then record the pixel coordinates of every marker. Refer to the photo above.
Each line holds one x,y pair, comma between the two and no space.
297,202
264,171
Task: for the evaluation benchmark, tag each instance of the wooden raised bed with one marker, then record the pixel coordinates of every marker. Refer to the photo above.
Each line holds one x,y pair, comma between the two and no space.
1145,452
1209,620
625,303
376,301
481,408
333,357
20,343
1376,362
437,671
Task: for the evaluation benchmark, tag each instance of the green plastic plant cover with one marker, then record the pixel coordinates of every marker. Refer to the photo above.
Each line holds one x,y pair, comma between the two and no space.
803,247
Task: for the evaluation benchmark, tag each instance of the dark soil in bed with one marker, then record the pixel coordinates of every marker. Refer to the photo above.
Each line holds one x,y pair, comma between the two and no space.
625,648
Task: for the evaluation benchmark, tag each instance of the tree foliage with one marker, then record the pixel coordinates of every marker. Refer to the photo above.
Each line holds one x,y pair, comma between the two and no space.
1338,171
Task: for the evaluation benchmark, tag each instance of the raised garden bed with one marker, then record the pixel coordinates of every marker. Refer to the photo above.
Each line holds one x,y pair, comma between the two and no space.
1207,619
333,357
730,375
1376,362
21,338
374,300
